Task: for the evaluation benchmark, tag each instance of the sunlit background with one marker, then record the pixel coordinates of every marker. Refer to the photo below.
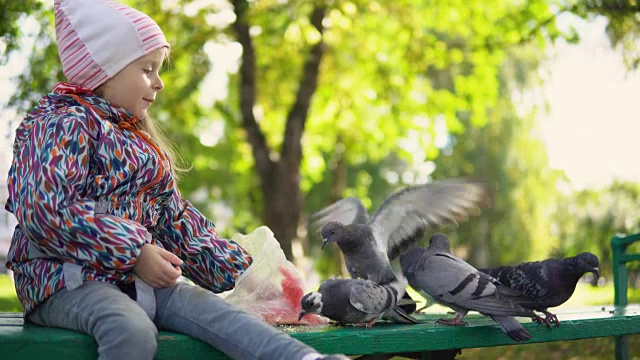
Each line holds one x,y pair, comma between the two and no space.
593,120
588,120
590,126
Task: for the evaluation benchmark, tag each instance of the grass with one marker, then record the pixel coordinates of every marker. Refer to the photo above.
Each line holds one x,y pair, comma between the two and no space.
589,349
8,299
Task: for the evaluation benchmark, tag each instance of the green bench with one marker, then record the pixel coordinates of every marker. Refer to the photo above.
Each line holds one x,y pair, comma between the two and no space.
426,340
20,341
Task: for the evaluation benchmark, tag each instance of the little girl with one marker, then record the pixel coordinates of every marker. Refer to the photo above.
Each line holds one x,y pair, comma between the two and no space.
103,232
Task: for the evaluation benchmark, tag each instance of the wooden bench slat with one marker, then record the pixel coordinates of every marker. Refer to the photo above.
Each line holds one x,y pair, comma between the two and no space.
34,342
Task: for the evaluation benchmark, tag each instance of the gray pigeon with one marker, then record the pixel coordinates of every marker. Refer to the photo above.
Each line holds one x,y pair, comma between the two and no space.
355,301
549,282
451,281
370,244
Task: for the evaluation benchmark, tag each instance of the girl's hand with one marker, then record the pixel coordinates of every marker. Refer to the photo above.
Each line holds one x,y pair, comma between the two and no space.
157,267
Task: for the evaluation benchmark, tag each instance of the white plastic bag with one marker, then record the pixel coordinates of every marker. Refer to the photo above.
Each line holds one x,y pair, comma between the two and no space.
272,286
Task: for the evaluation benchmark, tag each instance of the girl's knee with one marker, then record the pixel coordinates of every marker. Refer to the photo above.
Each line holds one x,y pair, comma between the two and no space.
139,328
142,329
129,333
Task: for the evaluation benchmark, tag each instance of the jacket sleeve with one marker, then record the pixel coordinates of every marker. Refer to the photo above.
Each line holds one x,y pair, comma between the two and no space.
209,260
46,183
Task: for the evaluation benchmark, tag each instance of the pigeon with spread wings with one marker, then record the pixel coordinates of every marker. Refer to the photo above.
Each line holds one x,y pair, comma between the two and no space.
369,244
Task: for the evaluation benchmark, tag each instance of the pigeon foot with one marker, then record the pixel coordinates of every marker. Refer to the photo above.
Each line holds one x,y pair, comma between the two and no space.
551,318
371,322
456,321
541,320
452,322
368,324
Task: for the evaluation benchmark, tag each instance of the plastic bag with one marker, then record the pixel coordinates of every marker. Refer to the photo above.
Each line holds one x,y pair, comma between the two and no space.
272,286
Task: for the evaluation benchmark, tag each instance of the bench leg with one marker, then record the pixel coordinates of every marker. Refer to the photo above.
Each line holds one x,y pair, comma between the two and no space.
620,275
622,348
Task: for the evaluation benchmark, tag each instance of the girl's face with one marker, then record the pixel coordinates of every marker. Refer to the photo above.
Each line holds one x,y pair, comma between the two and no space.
135,87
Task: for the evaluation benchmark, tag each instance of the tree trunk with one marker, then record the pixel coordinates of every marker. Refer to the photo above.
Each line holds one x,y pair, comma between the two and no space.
279,179
283,205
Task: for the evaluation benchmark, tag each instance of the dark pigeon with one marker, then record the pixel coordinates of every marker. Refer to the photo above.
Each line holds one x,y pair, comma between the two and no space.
370,244
356,302
549,282
452,282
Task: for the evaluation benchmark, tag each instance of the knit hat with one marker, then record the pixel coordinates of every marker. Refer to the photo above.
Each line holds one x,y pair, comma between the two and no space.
98,38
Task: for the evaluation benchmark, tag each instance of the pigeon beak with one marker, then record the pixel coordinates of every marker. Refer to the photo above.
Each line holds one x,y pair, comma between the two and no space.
324,242
596,272
301,315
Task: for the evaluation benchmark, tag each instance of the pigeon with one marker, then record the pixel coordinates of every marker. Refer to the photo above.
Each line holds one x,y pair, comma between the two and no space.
370,244
549,282
355,301
451,281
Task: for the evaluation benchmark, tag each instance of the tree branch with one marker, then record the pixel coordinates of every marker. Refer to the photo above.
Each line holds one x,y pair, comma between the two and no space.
292,147
248,91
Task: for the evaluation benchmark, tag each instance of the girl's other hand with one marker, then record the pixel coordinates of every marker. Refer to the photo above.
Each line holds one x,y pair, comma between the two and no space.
157,267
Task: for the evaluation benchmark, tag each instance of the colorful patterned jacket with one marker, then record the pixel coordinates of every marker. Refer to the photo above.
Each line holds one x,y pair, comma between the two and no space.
89,190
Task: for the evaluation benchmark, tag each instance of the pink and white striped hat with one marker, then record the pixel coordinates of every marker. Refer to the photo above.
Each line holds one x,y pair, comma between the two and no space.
98,38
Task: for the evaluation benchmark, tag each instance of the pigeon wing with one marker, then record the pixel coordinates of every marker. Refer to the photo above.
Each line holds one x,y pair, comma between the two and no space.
346,211
529,278
370,297
404,216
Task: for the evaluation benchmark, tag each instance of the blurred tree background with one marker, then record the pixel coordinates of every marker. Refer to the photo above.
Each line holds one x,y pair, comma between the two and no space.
282,107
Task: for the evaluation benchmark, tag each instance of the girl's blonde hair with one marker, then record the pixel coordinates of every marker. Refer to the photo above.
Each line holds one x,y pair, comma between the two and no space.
178,164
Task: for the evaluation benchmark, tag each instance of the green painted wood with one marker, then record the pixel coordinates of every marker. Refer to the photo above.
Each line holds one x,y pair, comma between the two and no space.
31,342
621,348
619,244
620,272
630,257
622,239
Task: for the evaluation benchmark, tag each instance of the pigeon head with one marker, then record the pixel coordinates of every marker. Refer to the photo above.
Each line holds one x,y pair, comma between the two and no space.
332,232
586,262
311,304
440,242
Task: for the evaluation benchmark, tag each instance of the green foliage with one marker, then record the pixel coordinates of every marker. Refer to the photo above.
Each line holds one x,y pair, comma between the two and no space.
623,25
396,78
8,299
43,66
507,154
586,220
12,13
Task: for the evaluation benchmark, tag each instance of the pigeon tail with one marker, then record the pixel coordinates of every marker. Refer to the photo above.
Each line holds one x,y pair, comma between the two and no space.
397,290
512,327
407,304
396,314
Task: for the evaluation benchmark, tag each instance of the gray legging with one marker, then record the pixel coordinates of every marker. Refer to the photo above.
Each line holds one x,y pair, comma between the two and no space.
123,330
